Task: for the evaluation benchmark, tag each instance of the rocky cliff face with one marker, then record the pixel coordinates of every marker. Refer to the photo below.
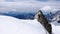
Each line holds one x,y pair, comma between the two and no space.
43,20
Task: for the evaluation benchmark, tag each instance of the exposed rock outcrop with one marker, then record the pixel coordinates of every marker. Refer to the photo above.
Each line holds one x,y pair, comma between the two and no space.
42,19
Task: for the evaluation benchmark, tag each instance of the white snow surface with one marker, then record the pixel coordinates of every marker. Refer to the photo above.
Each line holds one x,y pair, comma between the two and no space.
11,25
55,27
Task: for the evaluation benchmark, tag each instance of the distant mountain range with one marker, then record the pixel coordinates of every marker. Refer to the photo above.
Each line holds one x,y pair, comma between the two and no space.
20,15
52,15
57,13
30,15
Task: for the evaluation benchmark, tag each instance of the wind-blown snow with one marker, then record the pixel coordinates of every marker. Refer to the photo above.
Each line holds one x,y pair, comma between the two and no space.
11,25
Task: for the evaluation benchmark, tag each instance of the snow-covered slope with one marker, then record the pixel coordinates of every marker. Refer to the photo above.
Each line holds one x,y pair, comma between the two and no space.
11,25
55,27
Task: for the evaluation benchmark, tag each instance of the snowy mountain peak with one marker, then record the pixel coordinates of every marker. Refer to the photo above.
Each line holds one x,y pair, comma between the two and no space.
49,9
46,8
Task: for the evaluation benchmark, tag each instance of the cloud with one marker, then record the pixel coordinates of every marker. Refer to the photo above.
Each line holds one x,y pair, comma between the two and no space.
26,6
54,0
15,0
30,0
17,6
9,0
26,0
2,0
41,0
